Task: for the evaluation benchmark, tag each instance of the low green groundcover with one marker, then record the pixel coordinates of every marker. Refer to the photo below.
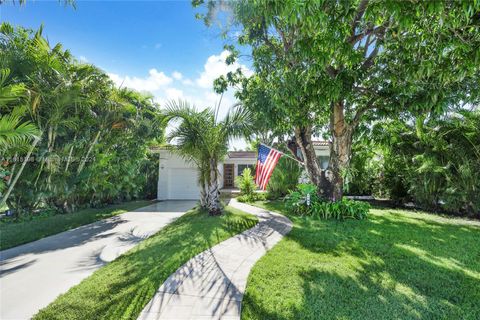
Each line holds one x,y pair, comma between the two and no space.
395,265
122,288
16,233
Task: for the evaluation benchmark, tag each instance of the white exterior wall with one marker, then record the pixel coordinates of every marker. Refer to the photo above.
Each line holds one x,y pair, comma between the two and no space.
175,173
236,162
322,151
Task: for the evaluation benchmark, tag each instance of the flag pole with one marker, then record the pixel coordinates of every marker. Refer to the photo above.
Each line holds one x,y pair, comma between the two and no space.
286,155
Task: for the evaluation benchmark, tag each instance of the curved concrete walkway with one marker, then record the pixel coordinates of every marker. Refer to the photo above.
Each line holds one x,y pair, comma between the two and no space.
211,285
34,274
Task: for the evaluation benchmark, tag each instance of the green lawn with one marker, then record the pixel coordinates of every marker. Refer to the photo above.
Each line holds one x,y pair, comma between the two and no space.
14,234
121,289
396,265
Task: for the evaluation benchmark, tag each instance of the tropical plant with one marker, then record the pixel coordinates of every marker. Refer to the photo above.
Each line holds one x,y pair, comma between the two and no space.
203,139
284,178
434,162
299,201
304,201
95,137
245,182
339,210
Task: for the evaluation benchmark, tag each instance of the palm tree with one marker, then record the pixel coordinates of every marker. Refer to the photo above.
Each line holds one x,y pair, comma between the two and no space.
15,135
201,138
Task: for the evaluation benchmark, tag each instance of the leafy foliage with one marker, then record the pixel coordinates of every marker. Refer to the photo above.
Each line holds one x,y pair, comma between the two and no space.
245,182
247,187
304,201
94,147
435,162
284,178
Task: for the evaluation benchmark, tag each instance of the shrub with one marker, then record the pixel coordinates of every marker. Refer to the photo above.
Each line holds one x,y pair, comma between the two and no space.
252,198
344,209
245,183
247,187
284,178
298,201
304,201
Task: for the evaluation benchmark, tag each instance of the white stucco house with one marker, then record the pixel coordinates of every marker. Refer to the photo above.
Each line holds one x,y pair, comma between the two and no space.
178,180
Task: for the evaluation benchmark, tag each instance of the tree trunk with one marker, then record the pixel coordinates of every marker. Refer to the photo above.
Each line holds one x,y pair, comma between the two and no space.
70,154
13,169
213,193
203,195
340,150
303,138
10,188
84,160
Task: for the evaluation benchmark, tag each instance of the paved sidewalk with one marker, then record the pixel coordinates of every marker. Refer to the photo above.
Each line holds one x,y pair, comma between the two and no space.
211,285
34,274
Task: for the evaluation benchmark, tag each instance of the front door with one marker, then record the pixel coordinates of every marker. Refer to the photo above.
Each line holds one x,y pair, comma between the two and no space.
228,175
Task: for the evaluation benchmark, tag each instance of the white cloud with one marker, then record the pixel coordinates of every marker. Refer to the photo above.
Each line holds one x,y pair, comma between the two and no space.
188,82
177,75
154,81
198,92
83,59
216,67
174,94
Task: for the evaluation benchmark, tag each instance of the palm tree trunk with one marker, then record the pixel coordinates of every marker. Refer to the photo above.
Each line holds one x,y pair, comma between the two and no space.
84,160
13,169
39,172
10,188
213,201
203,194
70,153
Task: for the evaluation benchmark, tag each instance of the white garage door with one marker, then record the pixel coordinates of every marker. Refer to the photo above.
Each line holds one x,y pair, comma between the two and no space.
183,184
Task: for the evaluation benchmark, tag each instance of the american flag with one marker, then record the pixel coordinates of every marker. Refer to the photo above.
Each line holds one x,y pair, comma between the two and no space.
266,162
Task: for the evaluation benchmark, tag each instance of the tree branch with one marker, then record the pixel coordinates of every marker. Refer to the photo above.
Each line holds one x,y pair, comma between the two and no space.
332,72
378,31
362,6
360,112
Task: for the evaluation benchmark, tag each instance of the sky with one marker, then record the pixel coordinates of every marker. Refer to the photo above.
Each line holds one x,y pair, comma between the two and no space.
155,46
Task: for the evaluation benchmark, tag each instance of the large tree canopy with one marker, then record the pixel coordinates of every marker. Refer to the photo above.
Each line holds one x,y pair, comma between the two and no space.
329,66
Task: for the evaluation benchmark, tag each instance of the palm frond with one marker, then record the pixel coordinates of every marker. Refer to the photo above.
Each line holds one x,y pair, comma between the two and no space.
14,133
9,92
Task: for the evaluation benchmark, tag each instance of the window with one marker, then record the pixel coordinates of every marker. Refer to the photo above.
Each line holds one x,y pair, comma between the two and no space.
323,161
242,167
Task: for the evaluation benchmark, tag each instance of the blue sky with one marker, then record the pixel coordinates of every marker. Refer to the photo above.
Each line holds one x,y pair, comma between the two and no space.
157,46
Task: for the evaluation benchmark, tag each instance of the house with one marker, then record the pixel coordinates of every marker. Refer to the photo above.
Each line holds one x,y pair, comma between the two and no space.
178,179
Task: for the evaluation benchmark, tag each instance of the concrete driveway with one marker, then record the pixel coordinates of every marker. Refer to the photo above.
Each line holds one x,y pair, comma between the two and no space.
34,274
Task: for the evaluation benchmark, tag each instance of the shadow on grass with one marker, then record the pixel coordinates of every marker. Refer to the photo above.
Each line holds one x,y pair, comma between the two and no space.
392,266
122,288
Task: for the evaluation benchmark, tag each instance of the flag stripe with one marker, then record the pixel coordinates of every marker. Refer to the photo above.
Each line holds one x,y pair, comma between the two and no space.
265,166
270,171
266,162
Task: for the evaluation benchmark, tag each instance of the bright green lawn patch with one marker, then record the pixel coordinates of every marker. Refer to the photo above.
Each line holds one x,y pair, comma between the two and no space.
395,265
14,234
121,289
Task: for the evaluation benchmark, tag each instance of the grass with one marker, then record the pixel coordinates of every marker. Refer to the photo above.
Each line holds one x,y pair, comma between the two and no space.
395,265
13,234
121,289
